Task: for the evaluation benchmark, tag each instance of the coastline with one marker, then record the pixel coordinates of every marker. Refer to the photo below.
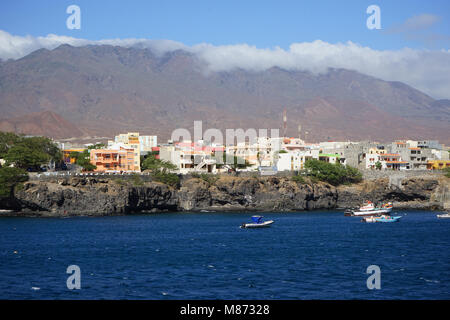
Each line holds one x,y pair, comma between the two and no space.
94,196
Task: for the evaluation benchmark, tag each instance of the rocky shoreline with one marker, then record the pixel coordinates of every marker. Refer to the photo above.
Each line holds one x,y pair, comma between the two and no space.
93,196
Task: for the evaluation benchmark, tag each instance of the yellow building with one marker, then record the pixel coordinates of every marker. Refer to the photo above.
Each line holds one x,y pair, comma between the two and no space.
438,164
66,155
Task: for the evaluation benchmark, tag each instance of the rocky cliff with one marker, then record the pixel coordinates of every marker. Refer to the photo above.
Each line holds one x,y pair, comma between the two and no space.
105,196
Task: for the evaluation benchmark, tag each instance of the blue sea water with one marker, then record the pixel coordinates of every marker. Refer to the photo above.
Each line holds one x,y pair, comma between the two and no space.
312,255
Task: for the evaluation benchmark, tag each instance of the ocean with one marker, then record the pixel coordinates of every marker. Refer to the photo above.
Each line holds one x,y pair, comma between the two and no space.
303,255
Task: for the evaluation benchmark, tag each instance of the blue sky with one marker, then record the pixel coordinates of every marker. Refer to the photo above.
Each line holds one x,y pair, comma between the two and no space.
258,23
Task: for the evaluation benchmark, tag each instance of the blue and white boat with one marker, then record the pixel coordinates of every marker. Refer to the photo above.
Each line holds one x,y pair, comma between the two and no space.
258,222
383,218
387,219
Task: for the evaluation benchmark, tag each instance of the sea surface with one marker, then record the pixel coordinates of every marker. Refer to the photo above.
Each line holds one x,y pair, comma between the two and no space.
312,255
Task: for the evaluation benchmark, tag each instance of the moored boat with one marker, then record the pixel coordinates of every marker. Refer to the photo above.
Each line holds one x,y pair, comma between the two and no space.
387,219
258,222
382,218
444,216
369,209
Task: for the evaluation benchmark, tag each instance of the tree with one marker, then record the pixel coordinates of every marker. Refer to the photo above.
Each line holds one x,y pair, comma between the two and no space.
83,160
334,174
9,178
7,140
28,153
153,164
378,165
160,169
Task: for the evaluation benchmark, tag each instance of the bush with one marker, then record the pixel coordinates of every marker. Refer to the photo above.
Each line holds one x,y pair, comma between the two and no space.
170,179
299,179
447,172
136,180
334,174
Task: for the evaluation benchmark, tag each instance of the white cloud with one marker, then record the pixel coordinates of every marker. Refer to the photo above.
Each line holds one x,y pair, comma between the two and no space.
426,70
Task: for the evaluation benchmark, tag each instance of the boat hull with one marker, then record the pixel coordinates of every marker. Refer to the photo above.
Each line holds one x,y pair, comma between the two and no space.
264,224
444,216
388,220
375,212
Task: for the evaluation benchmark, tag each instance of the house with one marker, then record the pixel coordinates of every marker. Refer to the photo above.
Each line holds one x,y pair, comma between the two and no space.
130,140
393,161
116,158
438,164
191,157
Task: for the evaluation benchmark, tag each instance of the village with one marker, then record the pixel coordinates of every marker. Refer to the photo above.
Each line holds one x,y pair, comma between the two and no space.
266,155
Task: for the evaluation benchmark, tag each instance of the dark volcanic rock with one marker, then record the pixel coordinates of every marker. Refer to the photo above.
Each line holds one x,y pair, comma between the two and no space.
94,196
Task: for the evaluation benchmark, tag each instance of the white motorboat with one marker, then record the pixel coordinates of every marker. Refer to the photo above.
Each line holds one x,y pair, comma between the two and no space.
444,216
369,209
257,223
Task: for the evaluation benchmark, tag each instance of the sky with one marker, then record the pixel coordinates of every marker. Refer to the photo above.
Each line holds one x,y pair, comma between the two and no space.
295,34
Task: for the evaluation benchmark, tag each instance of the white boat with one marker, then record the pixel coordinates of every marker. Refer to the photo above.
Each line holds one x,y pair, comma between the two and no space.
375,212
369,209
257,223
444,216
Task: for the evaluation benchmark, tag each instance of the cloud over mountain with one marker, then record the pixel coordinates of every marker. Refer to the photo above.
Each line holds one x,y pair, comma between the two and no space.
427,70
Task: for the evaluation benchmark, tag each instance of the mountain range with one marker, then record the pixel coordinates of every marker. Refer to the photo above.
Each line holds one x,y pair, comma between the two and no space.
102,90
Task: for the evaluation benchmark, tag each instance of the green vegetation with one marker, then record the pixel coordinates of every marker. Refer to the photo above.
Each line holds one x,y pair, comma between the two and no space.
378,165
83,159
334,174
160,169
136,180
447,172
299,179
282,151
28,153
9,178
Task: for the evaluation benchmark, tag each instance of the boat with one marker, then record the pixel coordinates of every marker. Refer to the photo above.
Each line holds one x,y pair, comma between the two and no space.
369,209
258,222
444,216
385,218
382,218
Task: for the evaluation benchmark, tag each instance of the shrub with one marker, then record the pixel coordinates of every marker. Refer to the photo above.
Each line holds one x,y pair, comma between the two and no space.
334,174
170,179
299,179
447,172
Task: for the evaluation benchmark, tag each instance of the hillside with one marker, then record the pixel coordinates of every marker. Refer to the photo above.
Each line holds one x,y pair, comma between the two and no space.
105,89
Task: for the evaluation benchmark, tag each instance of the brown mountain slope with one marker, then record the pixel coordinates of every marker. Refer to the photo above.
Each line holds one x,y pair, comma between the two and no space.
44,123
106,89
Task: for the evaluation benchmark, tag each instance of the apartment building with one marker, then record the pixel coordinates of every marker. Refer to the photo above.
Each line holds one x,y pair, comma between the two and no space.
116,158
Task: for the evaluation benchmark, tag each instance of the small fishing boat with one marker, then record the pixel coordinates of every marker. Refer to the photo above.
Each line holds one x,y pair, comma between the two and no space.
382,218
387,219
369,209
444,216
258,222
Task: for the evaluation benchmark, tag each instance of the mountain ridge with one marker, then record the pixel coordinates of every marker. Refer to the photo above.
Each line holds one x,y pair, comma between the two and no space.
107,89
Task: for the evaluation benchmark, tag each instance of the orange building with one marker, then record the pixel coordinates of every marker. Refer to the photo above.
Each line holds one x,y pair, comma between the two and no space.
113,160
